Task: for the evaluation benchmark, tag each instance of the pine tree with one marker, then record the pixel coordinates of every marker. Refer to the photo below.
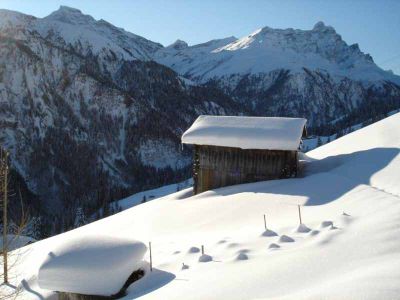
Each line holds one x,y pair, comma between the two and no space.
80,218
37,226
319,142
33,228
328,140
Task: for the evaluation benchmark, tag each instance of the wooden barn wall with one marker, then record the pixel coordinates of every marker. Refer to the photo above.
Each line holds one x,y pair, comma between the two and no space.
222,166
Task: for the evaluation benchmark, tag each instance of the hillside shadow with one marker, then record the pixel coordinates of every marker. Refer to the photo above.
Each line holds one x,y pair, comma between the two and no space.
324,180
151,282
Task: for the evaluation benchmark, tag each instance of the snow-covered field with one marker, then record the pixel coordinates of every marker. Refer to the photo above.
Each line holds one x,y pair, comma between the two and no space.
312,142
16,241
152,194
348,247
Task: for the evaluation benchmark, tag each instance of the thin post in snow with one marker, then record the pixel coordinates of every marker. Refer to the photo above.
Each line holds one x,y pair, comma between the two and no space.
299,214
265,223
3,176
151,258
202,249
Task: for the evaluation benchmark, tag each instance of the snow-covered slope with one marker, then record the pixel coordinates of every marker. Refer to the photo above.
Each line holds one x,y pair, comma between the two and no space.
347,247
268,49
150,195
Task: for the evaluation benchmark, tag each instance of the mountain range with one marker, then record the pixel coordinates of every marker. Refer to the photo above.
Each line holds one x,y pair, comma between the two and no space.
91,113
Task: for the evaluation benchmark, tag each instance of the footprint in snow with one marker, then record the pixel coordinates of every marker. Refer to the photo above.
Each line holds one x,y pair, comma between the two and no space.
346,218
274,246
314,232
326,224
285,239
233,245
222,242
269,233
176,252
194,250
332,227
242,256
243,251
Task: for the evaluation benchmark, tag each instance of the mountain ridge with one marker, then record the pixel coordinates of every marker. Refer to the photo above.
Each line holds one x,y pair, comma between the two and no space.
320,48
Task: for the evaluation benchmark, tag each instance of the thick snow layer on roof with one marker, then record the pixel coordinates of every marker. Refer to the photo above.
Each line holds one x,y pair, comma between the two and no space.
246,132
91,265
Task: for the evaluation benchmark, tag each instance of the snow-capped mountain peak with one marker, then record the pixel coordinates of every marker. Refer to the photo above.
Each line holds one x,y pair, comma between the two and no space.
268,49
69,27
320,26
70,15
178,45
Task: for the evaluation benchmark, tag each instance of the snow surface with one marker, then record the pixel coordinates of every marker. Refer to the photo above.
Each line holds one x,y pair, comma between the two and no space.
351,182
16,241
152,194
246,132
91,265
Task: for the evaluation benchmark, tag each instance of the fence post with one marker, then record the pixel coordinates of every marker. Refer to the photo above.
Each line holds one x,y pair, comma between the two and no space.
202,249
265,223
299,214
151,258
4,170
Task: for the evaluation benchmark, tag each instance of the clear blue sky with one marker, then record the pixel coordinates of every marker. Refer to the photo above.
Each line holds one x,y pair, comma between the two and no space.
374,25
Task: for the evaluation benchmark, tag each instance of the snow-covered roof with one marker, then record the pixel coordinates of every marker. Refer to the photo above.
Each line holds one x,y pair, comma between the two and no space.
246,132
90,264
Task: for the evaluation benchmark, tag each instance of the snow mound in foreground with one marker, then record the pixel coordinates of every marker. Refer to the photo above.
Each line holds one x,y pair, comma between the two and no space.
91,265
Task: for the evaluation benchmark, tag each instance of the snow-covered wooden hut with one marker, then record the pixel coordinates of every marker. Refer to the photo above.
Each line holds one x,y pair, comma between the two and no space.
232,150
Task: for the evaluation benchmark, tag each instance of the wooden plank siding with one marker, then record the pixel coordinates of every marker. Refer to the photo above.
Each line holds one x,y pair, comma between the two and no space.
215,167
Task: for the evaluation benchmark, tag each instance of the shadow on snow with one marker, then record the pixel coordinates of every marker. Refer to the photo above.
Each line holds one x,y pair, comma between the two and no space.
324,180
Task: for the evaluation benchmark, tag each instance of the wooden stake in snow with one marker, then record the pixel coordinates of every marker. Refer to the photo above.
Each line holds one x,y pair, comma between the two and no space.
4,184
299,214
265,223
151,258
202,249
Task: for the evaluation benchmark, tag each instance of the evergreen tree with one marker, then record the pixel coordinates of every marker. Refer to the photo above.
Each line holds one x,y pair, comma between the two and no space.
80,218
319,142
34,228
328,140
